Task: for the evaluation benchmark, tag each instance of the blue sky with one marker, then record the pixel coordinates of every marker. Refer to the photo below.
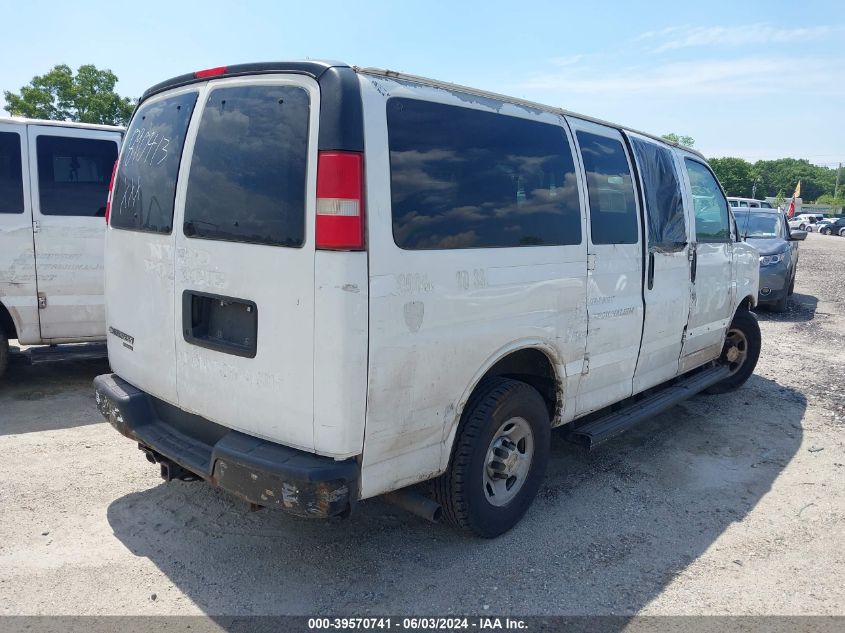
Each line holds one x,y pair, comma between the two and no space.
750,79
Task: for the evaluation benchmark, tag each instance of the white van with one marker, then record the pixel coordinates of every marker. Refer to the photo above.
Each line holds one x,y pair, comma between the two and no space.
327,283
54,180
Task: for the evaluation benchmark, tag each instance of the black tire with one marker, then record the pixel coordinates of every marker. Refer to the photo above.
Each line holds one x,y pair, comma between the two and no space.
4,353
746,323
791,290
825,231
842,232
461,490
802,227
779,305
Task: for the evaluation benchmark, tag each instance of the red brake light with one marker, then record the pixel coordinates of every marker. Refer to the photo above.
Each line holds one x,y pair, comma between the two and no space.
111,188
210,72
340,201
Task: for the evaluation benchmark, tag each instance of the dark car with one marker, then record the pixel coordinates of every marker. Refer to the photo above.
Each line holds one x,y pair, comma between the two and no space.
836,227
769,232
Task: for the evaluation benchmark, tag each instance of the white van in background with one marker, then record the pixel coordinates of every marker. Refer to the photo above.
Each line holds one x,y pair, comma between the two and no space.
54,179
327,283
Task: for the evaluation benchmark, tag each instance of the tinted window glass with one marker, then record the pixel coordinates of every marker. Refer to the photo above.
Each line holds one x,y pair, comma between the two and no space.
247,180
763,225
613,211
711,208
11,179
145,187
463,178
662,193
765,205
74,174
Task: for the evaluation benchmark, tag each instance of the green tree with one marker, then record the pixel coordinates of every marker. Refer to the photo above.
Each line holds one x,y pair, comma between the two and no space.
687,141
59,95
736,175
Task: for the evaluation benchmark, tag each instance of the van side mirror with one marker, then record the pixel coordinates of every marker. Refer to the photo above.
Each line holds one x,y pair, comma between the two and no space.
797,236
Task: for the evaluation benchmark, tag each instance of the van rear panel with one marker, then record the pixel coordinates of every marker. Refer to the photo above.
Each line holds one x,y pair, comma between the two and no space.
220,305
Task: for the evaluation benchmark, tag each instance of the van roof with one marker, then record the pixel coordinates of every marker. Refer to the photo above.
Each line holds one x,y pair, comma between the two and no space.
316,68
745,199
86,126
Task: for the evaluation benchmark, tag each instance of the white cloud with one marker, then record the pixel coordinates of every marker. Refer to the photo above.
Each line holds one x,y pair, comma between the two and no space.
748,35
738,77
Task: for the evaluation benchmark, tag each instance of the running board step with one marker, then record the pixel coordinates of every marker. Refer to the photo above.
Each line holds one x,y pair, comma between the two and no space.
598,431
58,353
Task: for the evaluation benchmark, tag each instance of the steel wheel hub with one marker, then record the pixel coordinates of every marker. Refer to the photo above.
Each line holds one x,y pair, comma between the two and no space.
508,461
735,351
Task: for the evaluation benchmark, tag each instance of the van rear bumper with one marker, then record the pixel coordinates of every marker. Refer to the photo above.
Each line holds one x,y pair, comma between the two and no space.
260,472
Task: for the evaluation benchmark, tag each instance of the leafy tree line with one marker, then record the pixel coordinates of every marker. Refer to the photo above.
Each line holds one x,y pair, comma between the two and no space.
60,95
780,176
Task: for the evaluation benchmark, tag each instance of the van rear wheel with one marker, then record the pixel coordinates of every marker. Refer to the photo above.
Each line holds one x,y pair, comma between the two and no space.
499,461
740,352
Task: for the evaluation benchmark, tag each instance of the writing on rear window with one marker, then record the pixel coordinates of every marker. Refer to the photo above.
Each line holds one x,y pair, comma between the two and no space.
145,185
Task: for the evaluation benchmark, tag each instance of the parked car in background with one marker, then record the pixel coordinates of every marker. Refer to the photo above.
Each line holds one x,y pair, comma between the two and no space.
835,227
54,179
749,203
804,220
768,231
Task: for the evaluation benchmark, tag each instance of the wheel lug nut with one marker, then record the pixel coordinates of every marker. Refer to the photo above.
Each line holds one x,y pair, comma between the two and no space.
508,444
500,452
497,466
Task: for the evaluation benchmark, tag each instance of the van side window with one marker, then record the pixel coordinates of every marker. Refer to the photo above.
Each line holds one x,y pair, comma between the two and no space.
613,211
466,178
662,193
711,208
74,174
11,176
145,185
247,181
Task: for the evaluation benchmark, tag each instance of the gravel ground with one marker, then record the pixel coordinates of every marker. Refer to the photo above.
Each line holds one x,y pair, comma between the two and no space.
724,505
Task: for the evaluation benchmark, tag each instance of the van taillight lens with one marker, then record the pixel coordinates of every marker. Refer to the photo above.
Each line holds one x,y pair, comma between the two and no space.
340,201
210,72
111,188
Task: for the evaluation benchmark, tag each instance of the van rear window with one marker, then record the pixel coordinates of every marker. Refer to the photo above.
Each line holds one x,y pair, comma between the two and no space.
145,186
247,181
466,178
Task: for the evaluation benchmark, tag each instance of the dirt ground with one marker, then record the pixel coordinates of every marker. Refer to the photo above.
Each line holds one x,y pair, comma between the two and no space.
724,505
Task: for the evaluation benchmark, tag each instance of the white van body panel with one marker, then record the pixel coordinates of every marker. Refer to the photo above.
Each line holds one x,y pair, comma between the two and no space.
18,289
614,302
438,318
144,261
57,258
69,255
712,303
280,281
666,310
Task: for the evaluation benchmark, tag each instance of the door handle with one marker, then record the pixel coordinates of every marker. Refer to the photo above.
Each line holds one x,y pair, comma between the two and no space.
650,270
693,263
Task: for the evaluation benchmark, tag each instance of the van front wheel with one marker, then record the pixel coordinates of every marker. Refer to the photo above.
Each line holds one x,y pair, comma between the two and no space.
499,460
740,351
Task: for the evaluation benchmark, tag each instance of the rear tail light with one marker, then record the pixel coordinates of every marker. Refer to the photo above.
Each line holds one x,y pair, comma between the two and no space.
111,189
210,72
340,201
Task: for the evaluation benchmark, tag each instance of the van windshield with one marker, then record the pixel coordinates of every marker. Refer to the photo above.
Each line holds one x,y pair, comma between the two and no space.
762,225
145,185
